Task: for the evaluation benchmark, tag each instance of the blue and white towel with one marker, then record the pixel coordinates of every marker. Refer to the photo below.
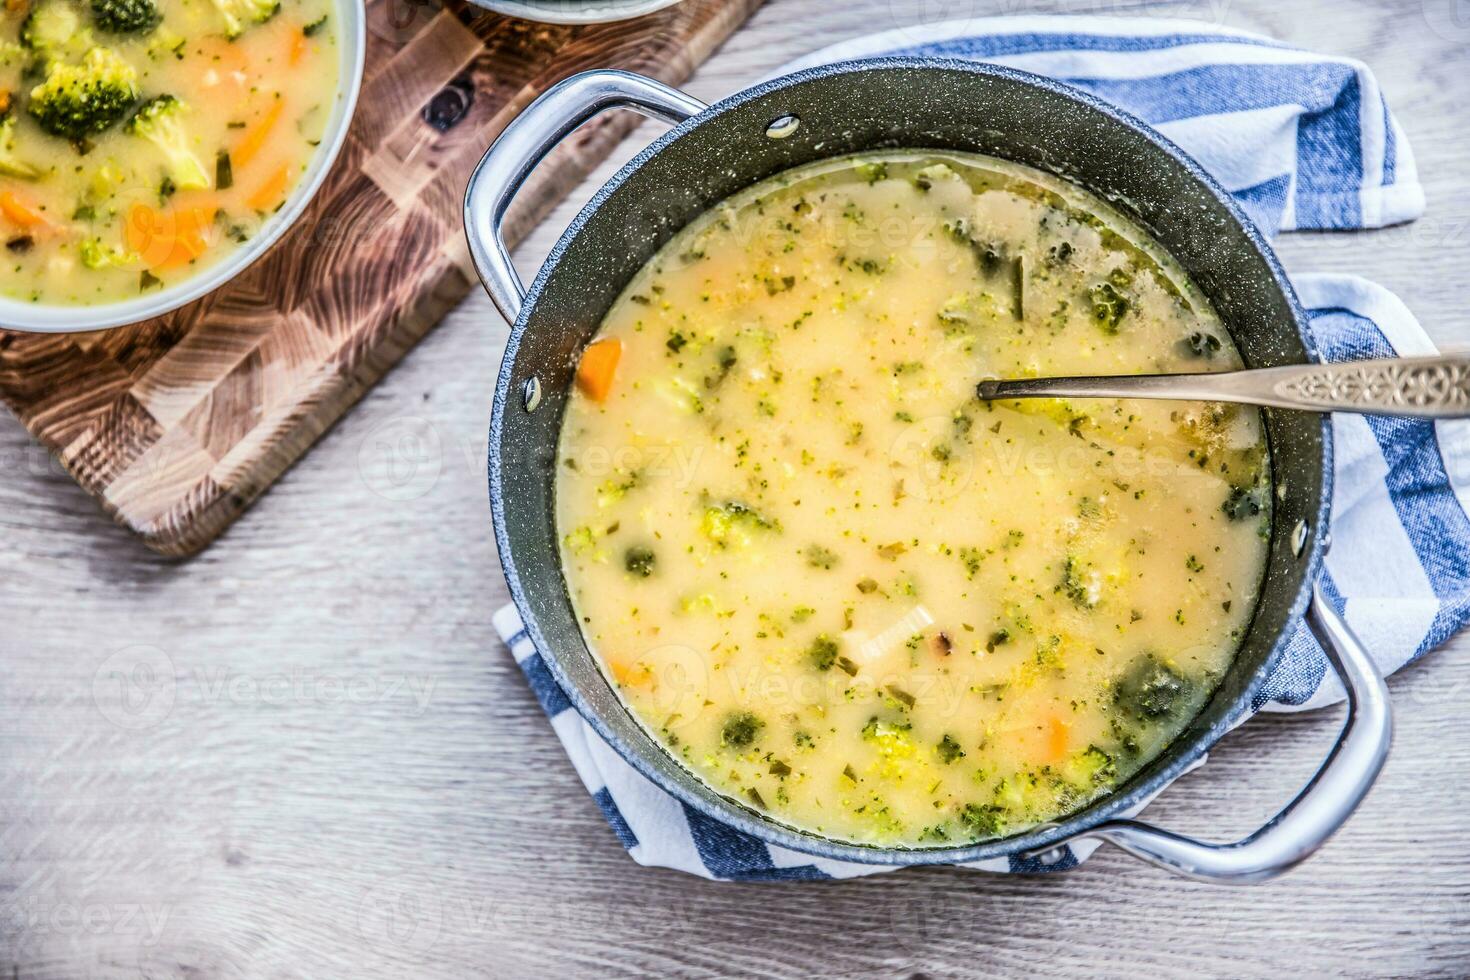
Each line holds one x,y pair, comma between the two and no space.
1302,141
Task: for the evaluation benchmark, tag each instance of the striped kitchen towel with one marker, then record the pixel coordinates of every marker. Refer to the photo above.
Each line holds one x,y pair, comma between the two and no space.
1302,141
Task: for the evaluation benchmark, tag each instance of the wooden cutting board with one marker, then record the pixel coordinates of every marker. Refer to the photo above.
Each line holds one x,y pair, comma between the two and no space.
178,424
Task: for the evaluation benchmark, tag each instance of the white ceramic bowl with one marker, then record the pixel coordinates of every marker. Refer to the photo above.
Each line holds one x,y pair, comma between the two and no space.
575,11
40,318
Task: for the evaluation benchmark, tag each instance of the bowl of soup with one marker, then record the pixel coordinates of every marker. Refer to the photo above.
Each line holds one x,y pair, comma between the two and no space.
787,562
150,150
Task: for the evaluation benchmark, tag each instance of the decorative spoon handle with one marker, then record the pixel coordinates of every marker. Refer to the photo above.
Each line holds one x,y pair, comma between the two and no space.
1409,387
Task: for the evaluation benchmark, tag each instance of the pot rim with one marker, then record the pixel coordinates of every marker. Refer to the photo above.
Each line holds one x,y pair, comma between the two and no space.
1133,794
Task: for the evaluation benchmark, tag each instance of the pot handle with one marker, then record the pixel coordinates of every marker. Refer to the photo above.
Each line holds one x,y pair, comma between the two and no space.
524,143
1322,806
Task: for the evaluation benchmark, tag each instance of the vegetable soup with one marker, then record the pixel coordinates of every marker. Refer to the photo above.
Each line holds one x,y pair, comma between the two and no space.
841,588
141,141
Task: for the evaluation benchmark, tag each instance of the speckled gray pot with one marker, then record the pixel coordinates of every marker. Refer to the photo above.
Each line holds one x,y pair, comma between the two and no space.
864,106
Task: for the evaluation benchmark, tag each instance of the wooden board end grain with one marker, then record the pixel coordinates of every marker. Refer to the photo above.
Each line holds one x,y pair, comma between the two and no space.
178,424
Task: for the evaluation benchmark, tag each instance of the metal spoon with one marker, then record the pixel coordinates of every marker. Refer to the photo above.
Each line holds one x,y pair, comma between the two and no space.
1408,387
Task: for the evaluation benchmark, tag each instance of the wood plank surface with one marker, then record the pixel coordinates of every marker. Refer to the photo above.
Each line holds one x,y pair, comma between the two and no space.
351,779
178,424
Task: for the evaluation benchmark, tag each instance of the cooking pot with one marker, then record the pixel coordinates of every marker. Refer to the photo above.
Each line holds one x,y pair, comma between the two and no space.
714,151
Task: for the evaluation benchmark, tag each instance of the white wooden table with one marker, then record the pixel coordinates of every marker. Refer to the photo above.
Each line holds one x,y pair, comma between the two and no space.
347,777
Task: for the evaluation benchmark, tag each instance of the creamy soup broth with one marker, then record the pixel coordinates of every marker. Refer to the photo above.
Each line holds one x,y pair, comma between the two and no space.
841,588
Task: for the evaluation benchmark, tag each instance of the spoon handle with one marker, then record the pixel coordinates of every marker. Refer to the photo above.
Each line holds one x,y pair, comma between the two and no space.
1408,387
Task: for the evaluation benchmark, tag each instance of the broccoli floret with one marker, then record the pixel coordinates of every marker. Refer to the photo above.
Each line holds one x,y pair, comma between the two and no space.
51,28
241,14
164,43
1149,689
157,121
983,821
126,16
96,255
77,101
1092,767
11,165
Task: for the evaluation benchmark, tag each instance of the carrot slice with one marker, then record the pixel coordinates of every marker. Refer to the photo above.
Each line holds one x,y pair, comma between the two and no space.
298,46
254,139
168,239
595,370
1057,739
272,192
21,211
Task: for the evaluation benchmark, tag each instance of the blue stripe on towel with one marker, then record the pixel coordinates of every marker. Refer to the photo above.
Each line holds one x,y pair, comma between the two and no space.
999,45
1418,484
1214,89
1034,866
615,818
553,699
1330,161
736,856
1265,201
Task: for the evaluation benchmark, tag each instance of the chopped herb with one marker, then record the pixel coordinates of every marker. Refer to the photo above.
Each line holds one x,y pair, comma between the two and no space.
949,750
823,652
740,729
1202,344
820,557
639,560
1243,503
1108,306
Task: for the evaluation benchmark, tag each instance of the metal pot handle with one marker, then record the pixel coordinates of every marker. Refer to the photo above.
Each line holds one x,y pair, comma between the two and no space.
1322,806
524,143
